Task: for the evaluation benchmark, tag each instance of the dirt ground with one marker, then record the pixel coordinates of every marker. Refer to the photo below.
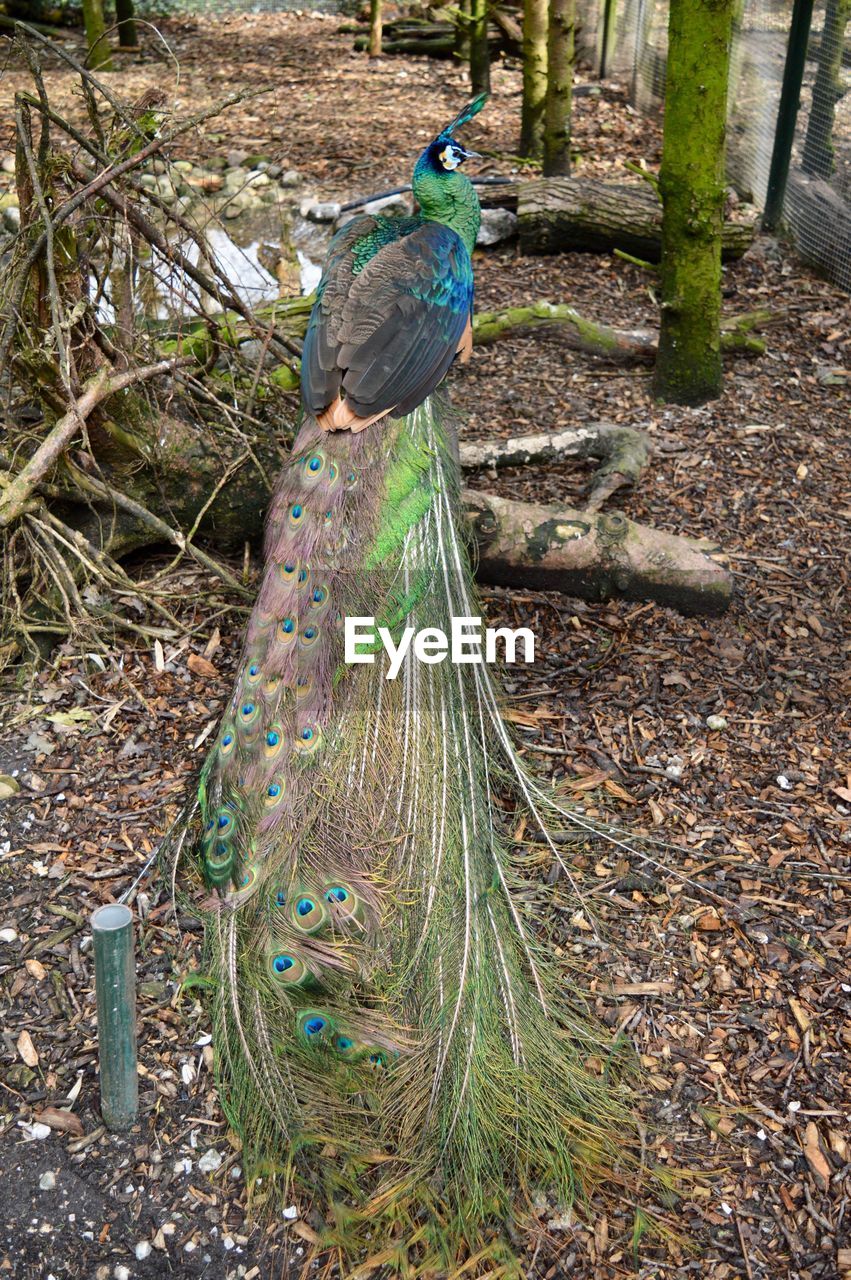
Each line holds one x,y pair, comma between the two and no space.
725,962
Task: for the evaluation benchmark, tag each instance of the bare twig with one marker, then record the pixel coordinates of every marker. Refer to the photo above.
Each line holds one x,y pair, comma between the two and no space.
98,389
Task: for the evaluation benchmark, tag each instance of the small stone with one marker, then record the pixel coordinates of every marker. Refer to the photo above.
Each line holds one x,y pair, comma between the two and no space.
47,1181
321,210
121,1272
210,1161
497,225
159,166
143,1249
7,164
183,166
274,170
397,205
148,181
290,1213
235,159
12,219
783,782
257,178
716,723
228,1242
290,178
8,935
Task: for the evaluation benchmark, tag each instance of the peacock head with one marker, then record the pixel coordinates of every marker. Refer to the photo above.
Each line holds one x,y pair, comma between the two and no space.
438,186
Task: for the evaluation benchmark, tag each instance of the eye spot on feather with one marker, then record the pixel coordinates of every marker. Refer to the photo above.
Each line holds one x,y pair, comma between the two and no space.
314,1027
318,597
224,824
248,713
337,894
308,739
314,466
271,686
273,742
303,576
351,479
274,793
287,571
308,637
286,630
227,744
303,686
296,515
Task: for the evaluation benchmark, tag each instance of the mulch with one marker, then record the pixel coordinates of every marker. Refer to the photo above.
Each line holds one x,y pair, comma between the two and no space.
723,955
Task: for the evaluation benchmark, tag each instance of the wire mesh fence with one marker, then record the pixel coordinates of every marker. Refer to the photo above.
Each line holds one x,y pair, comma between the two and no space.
817,207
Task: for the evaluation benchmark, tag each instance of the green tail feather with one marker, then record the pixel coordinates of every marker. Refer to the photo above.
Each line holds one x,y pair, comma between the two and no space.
390,1039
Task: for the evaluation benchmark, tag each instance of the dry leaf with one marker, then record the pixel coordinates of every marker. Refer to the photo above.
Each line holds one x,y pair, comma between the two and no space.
36,970
200,666
62,1121
815,1158
26,1049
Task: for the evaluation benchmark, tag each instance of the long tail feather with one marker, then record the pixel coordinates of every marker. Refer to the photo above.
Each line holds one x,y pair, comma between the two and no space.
390,1035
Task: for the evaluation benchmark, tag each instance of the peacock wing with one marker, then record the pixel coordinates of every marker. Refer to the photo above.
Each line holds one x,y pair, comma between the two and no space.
403,320
350,250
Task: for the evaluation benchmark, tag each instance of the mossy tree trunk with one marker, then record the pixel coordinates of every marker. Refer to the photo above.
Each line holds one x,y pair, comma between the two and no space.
376,23
688,366
100,58
535,14
480,57
559,87
818,158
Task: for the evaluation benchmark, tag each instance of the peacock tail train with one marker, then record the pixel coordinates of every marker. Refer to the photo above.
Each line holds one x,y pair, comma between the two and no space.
392,1044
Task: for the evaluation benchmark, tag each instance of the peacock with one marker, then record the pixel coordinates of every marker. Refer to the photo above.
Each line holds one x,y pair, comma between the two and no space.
395,1049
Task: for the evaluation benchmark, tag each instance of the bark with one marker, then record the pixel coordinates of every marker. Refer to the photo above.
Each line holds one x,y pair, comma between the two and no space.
375,28
557,215
99,52
559,87
818,157
596,557
534,78
127,37
688,366
480,57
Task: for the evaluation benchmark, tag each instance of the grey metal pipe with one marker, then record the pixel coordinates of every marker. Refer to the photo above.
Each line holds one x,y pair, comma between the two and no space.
115,984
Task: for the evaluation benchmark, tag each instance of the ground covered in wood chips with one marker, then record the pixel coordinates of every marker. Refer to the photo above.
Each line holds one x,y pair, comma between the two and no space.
725,964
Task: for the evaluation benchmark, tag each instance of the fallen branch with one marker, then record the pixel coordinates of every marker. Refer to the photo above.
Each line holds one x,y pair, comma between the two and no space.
596,557
622,346
98,389
622,451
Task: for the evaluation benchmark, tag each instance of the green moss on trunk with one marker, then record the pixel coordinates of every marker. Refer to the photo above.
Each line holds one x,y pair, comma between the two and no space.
534,78
688,366
819,157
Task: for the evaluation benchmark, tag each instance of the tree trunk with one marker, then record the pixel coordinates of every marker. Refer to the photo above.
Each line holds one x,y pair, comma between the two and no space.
688,367
534,78
818,157
100,57
559,87
560,214
375,28
480,56
462,32
127,37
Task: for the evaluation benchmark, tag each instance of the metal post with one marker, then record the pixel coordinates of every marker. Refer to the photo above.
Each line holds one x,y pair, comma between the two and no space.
112,933
609,7
787,112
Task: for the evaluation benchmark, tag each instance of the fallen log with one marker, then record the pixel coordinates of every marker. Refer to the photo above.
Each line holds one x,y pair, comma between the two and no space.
595,557
586,215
